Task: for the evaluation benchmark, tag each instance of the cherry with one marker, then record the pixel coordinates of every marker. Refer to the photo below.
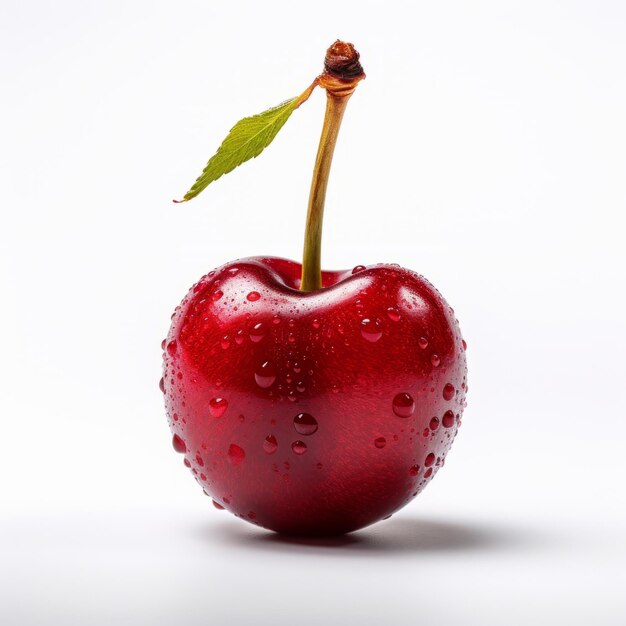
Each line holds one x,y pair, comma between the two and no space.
332,442
309,401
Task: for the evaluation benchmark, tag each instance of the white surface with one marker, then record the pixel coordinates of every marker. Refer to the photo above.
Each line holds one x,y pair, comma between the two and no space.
120,568
498,173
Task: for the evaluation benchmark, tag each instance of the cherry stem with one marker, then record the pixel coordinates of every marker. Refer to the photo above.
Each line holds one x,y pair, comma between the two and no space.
312,255
341,74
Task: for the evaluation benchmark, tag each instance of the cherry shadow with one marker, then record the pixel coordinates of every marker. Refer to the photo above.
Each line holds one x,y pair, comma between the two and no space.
401,536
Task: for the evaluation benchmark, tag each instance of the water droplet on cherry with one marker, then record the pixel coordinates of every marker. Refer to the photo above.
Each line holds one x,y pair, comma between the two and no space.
299,447
270,445
162,384
393,314
217,406
422,342
403,405
172,347
430,459
218,506
380,442
258,332
179,444
414,470
265,374
236,455
464,344
448,392
434,423
428,473
358,268
435,360
217,295
448,419
305,424
253,296
370,329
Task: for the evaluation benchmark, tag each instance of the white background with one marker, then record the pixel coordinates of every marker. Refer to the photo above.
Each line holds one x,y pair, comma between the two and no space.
486,150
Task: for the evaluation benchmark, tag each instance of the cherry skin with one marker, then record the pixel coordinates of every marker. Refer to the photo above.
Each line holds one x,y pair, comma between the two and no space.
317,412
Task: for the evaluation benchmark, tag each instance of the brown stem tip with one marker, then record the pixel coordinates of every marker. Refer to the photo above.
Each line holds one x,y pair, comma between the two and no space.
342,61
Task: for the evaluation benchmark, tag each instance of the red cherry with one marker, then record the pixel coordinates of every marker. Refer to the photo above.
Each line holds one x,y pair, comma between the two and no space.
329,391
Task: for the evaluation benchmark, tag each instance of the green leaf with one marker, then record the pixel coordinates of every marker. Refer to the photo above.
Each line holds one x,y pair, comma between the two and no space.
246,140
